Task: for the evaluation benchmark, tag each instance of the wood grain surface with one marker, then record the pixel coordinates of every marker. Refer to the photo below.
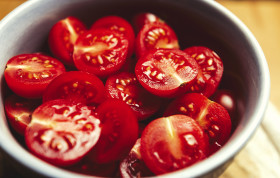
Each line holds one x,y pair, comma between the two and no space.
260,158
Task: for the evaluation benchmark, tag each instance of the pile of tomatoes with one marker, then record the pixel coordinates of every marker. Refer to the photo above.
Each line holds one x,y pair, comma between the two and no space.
118,98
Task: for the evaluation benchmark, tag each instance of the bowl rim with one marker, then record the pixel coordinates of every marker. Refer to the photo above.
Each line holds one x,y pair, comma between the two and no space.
199,169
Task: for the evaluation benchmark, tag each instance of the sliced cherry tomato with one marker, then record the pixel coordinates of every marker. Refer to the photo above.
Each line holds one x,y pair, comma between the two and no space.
29,74
19,110
61,132
119,25
172,143
133,166
125,86
100,52
63,36
77,86
166,72
144,18
155,36
212,117
210,70
119,131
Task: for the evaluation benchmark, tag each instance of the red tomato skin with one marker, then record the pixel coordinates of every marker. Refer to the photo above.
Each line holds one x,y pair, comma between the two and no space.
31,84
209,114
210,70
93,55
81,87
63,36
163,37
62,132
19,110
172,143
119,25
125,86
133,166
119,131
144,18
162,76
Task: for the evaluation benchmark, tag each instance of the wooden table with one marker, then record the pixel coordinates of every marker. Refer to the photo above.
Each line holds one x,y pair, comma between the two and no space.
260,158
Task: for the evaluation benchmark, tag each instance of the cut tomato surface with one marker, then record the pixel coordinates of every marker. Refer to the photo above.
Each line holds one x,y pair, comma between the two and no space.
63,36
61,132
125,86
210,70
77,86
119,131
100,52
19,110
166,72
119,25
28,75
172,143
211,116
155,36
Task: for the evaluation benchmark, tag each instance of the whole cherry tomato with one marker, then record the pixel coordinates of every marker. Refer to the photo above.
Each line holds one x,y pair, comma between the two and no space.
119,131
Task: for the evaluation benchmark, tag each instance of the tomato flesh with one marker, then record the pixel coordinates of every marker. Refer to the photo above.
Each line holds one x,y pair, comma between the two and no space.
100,52
28,75
172,143
210,70
61,132
119,131
125,86
76,86
166,72
119,25
155,36
19,110
63,36
212,117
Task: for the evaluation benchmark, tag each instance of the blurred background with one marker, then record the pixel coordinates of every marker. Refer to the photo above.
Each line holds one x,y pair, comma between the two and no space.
260,158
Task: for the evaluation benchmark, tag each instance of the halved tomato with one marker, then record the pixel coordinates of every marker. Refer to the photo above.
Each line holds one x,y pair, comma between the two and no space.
61,132
77,86
166,72
19,110
155,36
211,116
172,143
63,36
210,70
100,52
29,74
125,86
119,25
119,131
